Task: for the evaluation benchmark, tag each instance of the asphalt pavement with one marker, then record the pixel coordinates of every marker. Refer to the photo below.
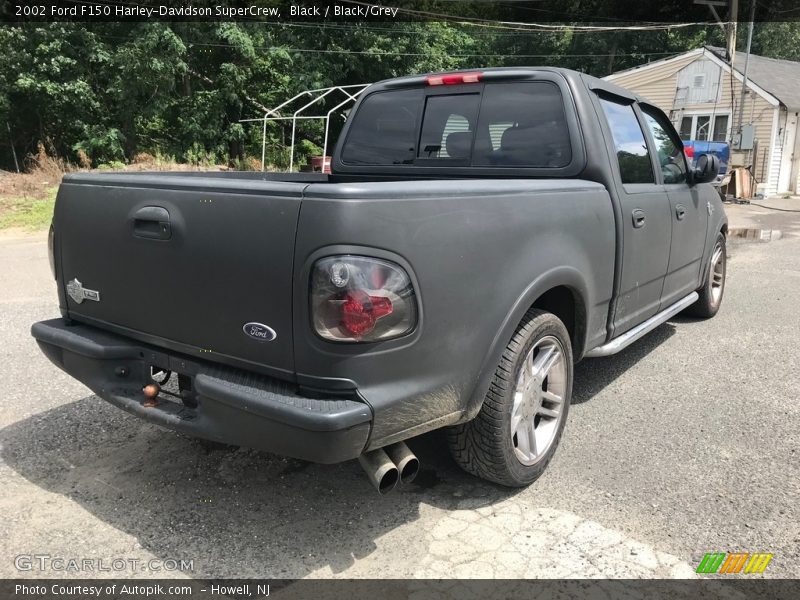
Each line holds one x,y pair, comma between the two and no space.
684,443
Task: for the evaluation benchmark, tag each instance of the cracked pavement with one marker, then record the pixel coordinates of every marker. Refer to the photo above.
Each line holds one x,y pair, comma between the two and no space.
510,539
685,443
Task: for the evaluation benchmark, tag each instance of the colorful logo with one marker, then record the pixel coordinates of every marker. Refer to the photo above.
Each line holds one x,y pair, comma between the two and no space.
734,562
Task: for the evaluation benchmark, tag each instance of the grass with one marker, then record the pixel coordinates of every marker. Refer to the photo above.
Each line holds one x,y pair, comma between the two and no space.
27,199
24,212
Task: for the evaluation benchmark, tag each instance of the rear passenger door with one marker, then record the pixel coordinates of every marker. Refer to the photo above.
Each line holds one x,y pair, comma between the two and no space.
646,215
689,213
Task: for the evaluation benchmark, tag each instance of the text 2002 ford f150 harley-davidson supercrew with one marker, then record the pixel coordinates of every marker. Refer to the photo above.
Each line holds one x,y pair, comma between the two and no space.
480,232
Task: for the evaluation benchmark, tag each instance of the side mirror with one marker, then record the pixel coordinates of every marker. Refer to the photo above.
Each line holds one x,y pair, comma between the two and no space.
706,169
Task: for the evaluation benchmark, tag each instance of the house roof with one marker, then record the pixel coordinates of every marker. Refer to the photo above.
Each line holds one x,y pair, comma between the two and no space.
777,80
781,78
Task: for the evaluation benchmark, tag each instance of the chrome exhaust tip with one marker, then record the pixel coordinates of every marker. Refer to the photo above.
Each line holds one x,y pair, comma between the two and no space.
381,471
405,460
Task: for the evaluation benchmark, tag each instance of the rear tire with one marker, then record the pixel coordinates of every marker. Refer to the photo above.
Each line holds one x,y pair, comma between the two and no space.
516,433
714,287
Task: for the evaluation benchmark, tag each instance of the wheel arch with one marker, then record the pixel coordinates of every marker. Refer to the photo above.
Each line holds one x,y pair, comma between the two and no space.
567,304
561,291
720,227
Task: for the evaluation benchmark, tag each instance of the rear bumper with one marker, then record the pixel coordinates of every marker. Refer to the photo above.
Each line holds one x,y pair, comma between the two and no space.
233,406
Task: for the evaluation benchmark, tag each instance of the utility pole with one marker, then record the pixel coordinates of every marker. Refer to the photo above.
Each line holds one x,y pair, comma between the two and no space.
733,17
728,27
740,120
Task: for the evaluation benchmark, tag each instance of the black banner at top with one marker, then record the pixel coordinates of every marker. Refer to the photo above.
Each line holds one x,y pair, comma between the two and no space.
484,14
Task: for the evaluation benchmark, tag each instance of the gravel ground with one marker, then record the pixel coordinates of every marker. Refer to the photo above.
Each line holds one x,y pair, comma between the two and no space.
683,444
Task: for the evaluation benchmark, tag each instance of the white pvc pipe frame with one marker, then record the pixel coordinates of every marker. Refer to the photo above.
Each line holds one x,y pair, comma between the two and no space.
273,115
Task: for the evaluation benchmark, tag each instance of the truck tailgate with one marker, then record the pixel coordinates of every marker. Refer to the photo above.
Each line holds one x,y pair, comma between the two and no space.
183,262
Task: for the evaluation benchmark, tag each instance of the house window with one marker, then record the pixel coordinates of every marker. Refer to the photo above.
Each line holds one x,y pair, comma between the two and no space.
720,131
686,128
704,127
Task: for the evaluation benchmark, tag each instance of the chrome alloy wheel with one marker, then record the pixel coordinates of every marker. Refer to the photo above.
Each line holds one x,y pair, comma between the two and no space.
538,400
717,273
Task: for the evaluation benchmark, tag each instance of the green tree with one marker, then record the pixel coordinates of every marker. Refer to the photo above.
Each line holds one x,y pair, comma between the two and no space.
112,90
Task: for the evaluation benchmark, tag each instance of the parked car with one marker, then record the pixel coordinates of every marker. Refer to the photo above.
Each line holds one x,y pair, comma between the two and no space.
697,148
480,232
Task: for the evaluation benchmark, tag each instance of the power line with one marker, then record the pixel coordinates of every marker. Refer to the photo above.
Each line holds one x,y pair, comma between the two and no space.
573,14
359,27
511,27
493,32
511,55
535,26
381,53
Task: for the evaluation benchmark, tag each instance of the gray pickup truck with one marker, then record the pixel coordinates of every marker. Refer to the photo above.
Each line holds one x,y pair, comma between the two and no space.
479,234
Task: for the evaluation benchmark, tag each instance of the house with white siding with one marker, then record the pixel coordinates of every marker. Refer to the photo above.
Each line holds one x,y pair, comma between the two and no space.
701,94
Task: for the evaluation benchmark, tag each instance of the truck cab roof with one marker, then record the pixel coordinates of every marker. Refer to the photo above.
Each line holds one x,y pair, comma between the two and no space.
510,74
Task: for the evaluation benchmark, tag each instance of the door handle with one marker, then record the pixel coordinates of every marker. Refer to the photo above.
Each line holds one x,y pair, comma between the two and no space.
152,222
680,211
638,218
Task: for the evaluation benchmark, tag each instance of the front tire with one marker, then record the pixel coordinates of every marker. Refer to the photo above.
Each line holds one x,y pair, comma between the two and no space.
714,287
516,432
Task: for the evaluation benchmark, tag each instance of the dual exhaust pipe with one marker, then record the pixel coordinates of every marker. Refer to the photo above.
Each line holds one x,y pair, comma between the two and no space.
386,467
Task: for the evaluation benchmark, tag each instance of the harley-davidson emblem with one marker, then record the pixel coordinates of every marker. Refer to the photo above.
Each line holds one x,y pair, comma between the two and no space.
79,293
259,332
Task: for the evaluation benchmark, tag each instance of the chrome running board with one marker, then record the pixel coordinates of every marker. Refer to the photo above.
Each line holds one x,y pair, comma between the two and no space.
627,338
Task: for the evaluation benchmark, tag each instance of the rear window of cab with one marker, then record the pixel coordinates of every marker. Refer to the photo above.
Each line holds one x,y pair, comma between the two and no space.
514,124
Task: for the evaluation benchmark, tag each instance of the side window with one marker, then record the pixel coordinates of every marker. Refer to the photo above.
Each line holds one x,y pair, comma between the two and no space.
670,155
632,154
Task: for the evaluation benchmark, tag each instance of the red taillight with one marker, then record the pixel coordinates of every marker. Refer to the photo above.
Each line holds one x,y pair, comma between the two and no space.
360,311
689,151
361,299
453,78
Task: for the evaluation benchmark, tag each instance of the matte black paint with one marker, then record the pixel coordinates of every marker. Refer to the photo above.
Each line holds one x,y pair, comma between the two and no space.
227,262
542,233
232,405
481,245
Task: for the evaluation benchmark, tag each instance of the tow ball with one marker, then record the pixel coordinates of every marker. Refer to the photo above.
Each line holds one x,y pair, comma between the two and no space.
151,391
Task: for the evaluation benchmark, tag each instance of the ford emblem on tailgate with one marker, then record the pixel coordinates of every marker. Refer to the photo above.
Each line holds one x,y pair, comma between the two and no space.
259,332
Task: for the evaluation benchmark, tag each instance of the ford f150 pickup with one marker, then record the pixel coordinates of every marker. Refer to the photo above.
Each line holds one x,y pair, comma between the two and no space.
480,232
